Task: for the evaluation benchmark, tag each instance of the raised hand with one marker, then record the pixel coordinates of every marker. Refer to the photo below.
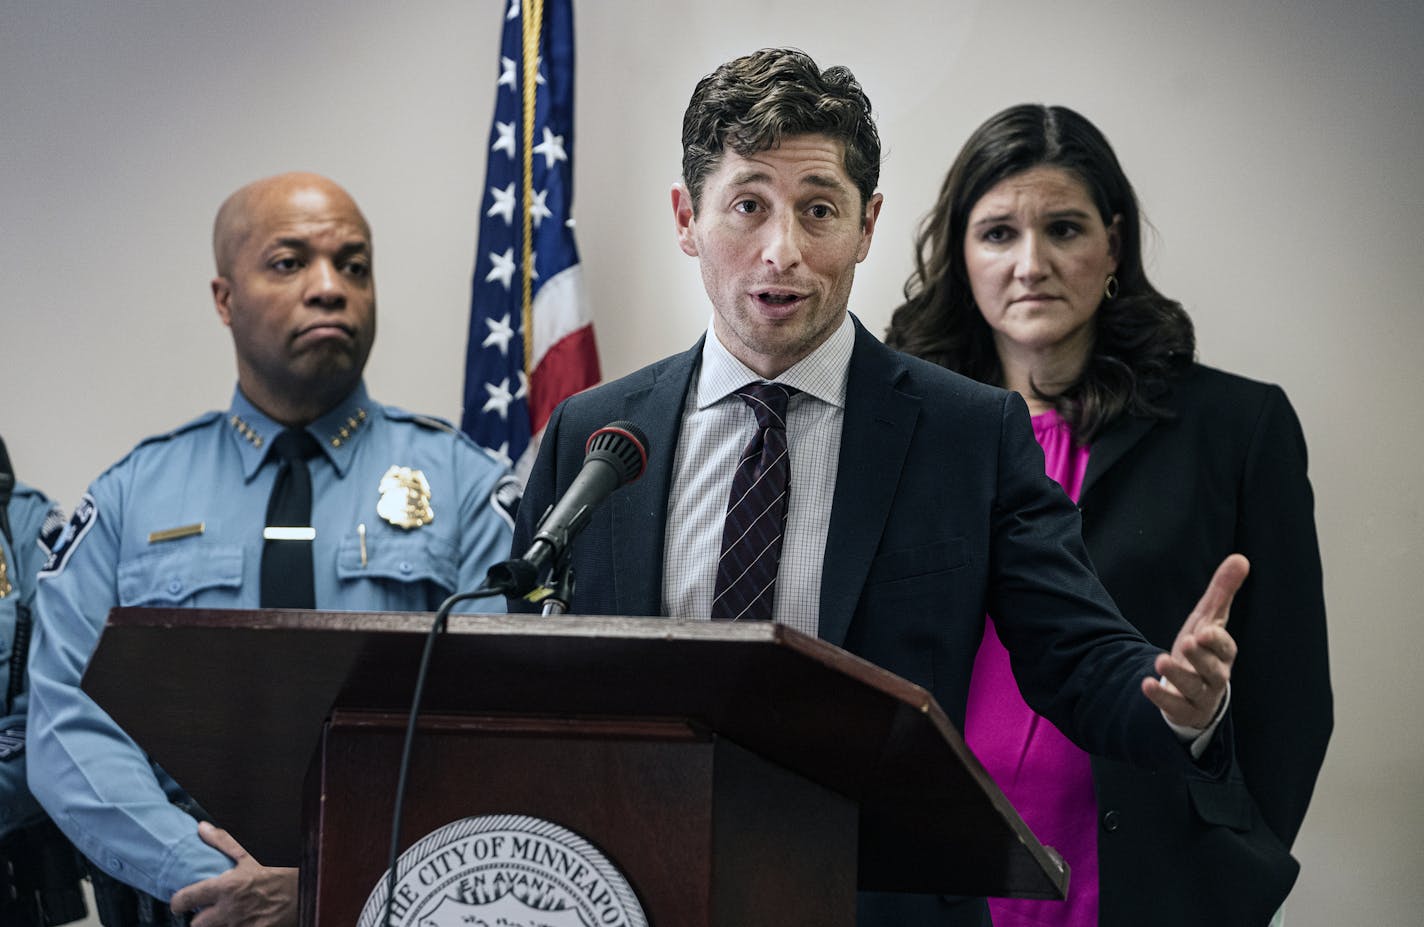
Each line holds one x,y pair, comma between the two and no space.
1193,677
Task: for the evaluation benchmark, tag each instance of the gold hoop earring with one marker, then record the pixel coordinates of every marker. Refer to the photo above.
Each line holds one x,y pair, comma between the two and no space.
1110,287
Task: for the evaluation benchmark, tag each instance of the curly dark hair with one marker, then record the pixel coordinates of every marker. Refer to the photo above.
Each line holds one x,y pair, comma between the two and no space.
1141,340
750,103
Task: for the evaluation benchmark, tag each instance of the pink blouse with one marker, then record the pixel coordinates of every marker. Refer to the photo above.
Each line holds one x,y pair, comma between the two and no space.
1048,779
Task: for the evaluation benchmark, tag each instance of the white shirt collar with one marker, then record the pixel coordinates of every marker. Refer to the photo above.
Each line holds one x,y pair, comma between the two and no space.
822,373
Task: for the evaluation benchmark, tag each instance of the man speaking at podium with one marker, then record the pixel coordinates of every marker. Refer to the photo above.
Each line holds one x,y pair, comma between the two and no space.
305,493
802,472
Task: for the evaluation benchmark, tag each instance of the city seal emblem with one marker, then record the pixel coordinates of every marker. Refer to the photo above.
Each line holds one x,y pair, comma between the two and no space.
511,870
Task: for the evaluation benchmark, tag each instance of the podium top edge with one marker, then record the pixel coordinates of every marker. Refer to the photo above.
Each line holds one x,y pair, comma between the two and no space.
626,627
631,629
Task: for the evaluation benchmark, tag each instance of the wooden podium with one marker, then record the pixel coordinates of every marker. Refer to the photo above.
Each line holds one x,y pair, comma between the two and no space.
736,774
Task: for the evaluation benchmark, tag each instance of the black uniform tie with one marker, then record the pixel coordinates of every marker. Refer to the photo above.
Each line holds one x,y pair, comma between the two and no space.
287,564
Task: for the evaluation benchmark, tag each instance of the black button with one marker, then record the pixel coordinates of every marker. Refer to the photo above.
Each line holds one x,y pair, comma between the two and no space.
1112,820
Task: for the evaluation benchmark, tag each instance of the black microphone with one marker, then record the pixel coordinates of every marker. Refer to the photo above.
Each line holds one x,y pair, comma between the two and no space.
616,454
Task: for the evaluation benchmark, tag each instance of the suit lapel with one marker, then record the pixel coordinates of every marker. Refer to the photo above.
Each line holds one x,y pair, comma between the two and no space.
878,426
1120,437
640,509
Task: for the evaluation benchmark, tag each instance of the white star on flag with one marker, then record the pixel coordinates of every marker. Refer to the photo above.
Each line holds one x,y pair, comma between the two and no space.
503,203
537,210
505,142
499,398
552,148
503,269
530,341
500,332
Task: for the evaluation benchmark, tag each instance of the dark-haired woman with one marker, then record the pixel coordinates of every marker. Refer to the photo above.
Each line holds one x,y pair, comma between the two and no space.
1029,276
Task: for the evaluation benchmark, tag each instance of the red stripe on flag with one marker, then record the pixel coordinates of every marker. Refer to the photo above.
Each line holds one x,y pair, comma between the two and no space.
569,366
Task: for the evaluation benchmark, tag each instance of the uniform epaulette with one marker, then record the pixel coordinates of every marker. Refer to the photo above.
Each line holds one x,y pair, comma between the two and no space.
24,490
424,421
207,418
432,423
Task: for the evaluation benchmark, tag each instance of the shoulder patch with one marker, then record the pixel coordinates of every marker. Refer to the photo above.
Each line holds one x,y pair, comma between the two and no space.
51,530
504,499
80,522
12,742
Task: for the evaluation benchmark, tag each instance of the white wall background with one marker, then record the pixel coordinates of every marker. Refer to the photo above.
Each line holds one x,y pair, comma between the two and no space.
1275,146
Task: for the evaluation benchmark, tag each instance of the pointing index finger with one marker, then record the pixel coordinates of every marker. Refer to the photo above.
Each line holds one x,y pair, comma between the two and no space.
1215,603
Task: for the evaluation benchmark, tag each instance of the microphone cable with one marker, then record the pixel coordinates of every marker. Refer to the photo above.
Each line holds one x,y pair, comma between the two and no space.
442,617
621,450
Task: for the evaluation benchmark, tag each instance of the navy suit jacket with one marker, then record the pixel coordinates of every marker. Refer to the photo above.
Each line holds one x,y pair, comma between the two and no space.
942,512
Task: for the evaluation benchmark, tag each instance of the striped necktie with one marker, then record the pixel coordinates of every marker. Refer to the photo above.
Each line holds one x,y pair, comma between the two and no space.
756,512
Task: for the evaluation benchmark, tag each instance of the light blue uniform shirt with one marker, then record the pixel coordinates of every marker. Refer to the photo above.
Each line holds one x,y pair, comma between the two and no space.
32,518
216,472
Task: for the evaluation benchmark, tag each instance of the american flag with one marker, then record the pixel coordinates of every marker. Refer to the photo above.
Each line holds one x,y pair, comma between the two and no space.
531,336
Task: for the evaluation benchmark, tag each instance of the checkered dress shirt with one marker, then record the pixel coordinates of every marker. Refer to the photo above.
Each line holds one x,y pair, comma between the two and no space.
716,426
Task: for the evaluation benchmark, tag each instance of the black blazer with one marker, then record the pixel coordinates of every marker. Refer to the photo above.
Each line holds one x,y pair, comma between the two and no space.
1164,501
942,512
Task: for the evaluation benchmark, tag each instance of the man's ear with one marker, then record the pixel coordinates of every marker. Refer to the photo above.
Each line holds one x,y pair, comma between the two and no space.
867,225
683,219
222,299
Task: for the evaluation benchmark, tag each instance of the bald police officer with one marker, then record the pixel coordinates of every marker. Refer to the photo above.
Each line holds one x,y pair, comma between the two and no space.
394,512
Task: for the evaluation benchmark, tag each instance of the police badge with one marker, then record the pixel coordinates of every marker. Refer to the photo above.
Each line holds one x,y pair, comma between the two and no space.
405,498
